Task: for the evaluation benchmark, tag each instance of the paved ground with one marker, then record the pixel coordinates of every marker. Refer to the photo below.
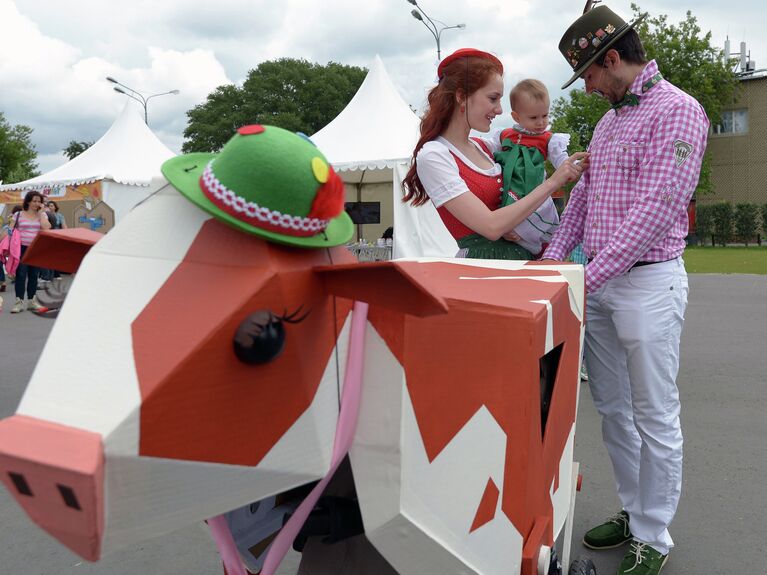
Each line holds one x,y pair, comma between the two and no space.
724,399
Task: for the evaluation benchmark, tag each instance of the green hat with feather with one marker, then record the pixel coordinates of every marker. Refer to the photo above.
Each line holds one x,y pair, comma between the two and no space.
269,182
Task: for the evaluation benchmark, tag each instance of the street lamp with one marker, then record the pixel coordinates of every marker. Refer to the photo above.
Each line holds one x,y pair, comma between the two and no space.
431,25
138,96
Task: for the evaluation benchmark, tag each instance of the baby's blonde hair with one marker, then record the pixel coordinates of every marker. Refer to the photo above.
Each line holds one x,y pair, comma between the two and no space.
533,88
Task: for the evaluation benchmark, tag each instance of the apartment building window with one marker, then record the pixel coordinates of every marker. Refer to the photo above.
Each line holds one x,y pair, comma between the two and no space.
733,122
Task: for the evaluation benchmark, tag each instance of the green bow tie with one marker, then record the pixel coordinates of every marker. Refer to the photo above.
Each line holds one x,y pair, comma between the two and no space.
632,99
628,100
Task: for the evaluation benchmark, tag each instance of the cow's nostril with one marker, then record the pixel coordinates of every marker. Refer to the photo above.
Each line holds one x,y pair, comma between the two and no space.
69,497
20,483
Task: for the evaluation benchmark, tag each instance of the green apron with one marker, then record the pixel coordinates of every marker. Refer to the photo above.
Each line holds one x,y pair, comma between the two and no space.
479,247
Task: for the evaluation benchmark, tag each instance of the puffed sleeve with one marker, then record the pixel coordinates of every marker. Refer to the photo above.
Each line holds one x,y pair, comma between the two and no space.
438,173
493,139
558,148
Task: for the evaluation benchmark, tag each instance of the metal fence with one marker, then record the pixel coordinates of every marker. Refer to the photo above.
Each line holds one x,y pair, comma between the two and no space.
370,253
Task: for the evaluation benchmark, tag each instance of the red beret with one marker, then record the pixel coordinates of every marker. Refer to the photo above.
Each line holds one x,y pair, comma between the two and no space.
465,53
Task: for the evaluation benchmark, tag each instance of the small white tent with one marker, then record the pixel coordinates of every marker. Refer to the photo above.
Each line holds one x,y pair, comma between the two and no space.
126,161
370,144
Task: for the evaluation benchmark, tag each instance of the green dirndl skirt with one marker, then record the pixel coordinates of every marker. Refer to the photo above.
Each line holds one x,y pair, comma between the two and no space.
479,247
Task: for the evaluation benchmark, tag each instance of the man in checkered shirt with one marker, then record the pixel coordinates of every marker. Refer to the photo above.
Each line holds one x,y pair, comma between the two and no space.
630,211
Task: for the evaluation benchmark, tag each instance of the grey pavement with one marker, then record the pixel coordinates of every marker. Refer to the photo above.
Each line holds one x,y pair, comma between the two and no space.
724,499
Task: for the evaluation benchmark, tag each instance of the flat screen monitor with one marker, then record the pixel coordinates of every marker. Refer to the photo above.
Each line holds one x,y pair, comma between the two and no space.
364,212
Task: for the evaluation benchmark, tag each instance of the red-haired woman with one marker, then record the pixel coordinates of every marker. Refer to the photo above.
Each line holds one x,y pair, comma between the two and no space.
447,163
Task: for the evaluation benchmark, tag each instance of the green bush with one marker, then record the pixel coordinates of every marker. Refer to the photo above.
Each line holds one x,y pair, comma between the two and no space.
722,215
746,222
704,222
764,219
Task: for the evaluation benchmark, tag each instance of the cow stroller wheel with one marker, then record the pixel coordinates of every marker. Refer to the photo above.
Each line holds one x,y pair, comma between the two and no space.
582,566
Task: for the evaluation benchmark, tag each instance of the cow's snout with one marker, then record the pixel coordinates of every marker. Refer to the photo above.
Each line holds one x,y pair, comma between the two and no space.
56,474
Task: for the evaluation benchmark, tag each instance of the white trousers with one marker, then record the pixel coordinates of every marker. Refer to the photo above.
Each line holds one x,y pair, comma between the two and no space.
633,327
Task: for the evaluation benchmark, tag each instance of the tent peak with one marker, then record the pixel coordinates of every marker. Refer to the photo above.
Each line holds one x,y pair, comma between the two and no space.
375,128
128,153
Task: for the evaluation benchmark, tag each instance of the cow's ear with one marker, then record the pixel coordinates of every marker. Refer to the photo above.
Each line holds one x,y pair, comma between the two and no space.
61,250
399,286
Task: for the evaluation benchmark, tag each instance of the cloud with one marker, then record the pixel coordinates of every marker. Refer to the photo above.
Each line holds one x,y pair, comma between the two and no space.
56,54
62,94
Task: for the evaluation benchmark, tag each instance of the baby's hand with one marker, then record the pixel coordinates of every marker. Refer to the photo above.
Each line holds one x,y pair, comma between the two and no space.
511,236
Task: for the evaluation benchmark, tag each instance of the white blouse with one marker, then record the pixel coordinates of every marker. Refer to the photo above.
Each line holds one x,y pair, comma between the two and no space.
438,170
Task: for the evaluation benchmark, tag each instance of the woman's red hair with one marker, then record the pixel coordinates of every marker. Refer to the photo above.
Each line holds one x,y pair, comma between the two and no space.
464,76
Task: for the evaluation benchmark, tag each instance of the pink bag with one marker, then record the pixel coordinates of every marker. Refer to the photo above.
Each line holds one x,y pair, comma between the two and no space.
10,251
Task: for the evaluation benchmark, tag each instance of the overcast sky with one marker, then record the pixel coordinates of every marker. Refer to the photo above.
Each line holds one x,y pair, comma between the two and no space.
54,56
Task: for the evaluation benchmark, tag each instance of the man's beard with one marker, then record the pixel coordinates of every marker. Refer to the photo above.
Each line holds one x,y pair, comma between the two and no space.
614,87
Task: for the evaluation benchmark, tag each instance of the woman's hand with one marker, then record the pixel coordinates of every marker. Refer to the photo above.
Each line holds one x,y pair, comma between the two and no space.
571,169
45,223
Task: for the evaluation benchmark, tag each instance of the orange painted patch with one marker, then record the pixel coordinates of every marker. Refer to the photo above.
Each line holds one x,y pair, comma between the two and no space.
486,352
532,547
486,510
61,249
198,401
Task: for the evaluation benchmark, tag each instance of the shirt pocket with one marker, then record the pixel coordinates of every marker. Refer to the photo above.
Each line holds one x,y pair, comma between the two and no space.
629,157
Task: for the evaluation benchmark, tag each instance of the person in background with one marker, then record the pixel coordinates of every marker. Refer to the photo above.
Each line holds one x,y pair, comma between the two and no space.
5,231
458,174
59,222
630,212
27,223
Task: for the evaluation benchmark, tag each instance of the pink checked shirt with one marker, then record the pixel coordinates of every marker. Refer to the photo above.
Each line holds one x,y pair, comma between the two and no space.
631,204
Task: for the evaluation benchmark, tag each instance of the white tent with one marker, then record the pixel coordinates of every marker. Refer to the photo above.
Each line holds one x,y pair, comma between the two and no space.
126,160
370,144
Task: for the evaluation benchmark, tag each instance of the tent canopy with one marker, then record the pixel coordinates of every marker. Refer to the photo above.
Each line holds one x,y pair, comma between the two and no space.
128,153
375,131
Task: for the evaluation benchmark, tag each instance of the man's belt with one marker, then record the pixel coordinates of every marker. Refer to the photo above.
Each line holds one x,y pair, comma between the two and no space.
639,264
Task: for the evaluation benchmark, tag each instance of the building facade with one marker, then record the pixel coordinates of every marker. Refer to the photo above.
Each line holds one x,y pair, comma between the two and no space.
738,146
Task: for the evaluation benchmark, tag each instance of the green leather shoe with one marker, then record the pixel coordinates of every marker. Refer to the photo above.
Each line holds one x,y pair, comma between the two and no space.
612,533
642,559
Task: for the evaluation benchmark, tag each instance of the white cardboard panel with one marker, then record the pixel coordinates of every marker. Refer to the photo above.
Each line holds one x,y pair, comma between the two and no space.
149,496
418,514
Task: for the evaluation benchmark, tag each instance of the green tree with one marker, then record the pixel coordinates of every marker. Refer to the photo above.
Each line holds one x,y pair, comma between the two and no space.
76,148
293,94
686,58
17,152
704,222
722,216
746,222
578,116
763,211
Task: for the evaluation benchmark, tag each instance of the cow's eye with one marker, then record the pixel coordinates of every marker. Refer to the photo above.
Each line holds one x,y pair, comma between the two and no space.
260,338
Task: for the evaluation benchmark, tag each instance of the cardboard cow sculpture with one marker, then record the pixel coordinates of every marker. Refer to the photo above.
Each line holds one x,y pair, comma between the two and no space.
233,369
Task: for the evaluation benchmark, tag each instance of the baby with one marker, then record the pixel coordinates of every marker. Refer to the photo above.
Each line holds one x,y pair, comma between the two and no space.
524,150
